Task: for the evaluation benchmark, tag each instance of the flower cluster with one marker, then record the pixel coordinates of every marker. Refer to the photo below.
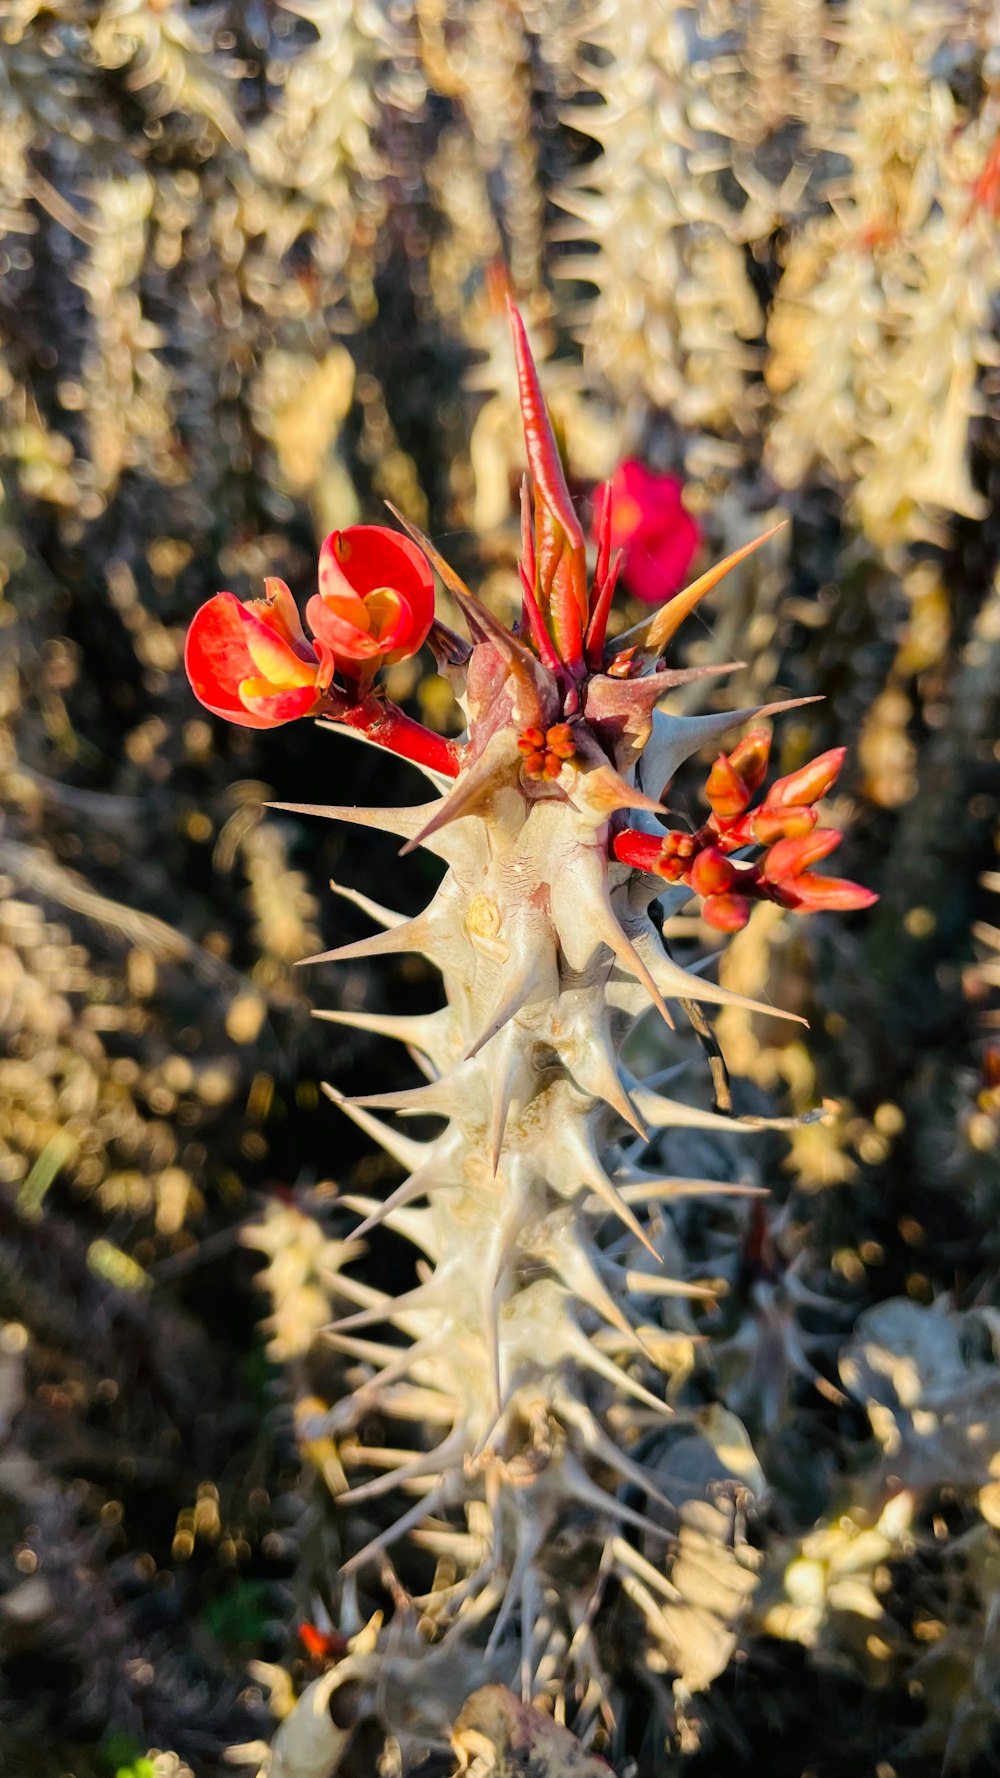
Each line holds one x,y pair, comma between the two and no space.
253,662
784,825
546,750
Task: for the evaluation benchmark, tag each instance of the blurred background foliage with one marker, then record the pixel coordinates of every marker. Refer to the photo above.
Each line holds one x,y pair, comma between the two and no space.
249,281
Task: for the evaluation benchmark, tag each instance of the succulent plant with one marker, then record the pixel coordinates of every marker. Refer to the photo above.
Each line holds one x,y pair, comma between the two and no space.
535,1364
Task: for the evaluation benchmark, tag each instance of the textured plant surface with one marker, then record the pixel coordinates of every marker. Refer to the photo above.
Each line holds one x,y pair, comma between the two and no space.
247,293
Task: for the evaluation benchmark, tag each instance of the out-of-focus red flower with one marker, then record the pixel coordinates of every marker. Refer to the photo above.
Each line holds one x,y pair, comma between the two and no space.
375,603
651,525
252,663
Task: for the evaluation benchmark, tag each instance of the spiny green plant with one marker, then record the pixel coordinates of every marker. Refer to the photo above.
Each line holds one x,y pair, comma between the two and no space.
532,1357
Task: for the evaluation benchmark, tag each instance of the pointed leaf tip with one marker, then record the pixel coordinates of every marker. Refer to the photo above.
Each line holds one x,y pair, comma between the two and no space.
543,453
670,616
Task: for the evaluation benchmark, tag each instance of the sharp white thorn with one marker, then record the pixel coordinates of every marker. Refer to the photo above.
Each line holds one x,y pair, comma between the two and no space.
381,915
403,1149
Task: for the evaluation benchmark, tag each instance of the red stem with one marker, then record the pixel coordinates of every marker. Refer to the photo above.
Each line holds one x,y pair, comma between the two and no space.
643,850
386,725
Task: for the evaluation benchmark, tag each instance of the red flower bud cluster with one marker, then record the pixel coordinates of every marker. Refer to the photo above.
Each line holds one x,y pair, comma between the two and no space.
546,751
784,824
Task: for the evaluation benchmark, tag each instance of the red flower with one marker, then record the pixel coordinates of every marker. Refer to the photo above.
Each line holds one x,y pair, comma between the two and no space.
375,603
649,522
252,663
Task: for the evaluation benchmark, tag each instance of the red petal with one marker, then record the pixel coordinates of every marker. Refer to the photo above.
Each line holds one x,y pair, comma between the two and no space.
216,658
344,640
366,557
658,534
274,708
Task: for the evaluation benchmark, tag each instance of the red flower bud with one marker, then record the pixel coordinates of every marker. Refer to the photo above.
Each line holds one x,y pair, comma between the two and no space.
711,873
727,913
560,740
769,825
727,792
375,603
790,857
750,756
251,663
810,782
532,740
812,893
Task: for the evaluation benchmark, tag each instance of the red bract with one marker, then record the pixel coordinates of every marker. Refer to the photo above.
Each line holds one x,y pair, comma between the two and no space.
750,756
768,825
375,603
727,790
650,523
836,895
809,783
251,663
790,857
254,665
